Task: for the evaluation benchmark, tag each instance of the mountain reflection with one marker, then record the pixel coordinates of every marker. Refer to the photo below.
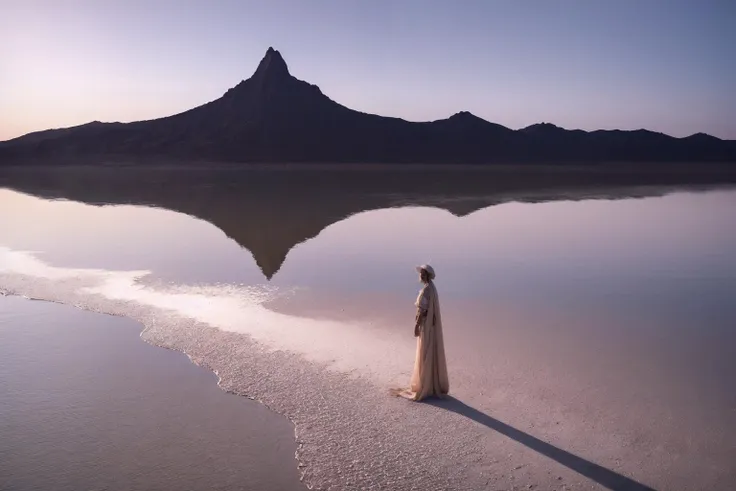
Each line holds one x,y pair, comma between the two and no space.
270,210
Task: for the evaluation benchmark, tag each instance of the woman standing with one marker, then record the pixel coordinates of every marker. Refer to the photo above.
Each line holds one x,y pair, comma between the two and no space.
430,367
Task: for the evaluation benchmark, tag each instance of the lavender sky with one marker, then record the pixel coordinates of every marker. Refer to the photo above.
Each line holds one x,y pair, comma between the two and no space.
665,65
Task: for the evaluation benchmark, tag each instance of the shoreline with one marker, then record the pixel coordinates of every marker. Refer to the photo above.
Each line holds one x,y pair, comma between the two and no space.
557,397
728,168
189,383
142,330
350,433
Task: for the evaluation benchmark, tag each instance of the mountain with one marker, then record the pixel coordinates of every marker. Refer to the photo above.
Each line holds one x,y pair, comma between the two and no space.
274,117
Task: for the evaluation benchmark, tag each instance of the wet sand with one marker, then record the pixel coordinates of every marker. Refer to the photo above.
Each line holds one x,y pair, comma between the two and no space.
594,406
86,404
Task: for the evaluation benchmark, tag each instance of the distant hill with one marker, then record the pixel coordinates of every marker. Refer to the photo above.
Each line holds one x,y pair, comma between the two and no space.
274,117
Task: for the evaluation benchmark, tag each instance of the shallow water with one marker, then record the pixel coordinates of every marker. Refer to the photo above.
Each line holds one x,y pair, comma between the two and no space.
601,328
86,405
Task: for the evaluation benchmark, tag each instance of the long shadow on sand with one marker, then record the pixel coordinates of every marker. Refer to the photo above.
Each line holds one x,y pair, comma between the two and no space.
595,472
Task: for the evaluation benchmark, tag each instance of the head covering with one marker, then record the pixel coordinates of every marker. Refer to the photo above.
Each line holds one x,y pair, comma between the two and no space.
429,269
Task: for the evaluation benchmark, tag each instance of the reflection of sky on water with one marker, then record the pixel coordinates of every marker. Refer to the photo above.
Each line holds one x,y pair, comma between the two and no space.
609,305
173,245
668,259
652,250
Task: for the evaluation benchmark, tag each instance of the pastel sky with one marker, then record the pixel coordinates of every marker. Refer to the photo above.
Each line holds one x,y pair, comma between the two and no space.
665,65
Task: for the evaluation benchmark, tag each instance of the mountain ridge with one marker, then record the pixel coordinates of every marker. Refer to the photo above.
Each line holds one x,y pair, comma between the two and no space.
274,117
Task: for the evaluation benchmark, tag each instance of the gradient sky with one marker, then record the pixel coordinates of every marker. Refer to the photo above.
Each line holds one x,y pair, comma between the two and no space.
665,65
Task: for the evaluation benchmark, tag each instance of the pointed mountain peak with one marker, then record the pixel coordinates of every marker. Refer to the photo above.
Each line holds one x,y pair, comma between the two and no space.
272,66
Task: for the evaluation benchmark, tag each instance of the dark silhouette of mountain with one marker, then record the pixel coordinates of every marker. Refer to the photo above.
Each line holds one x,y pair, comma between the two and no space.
274,117
270,211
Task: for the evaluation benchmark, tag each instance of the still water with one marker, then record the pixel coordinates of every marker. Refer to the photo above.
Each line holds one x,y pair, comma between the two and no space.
599,320
86,405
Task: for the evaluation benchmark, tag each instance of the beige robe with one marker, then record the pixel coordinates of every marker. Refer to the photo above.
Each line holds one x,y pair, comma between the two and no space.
430,367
